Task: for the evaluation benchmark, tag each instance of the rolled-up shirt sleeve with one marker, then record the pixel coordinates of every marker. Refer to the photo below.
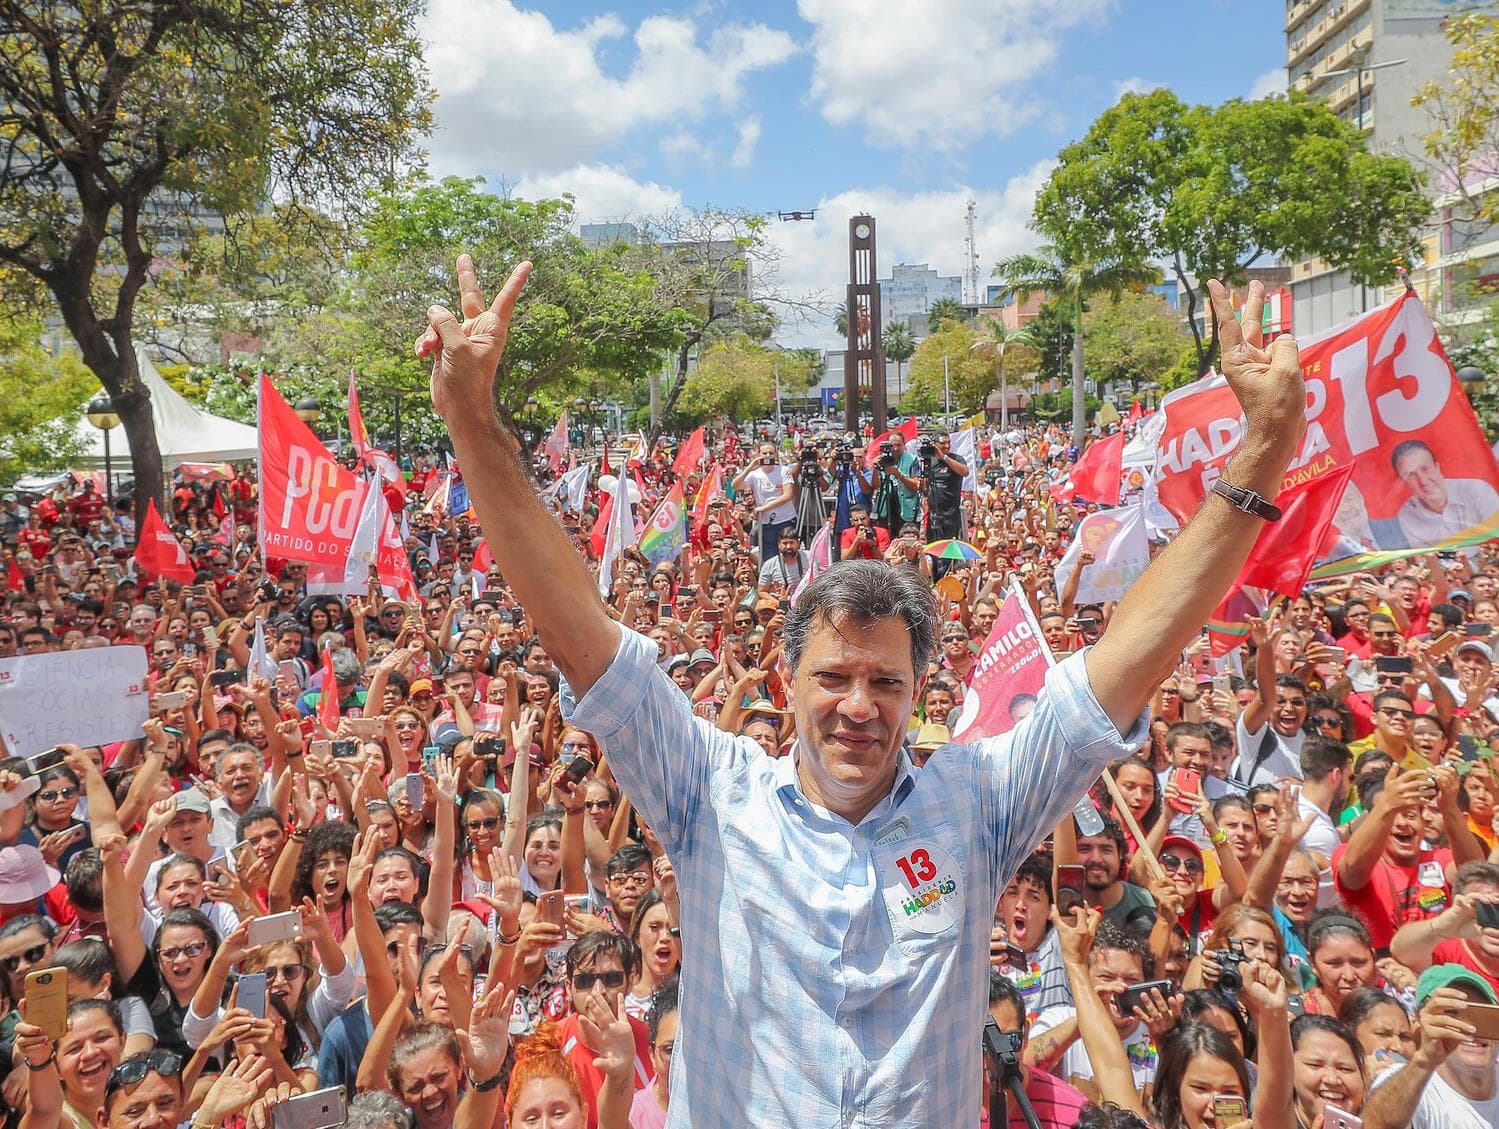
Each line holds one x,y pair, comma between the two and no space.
659,751
1029,778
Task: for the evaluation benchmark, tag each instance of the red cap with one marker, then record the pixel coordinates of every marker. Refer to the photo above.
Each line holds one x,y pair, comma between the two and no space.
477,908
1180,841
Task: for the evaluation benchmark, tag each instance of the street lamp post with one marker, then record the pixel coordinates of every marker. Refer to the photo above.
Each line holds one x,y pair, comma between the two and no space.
101,413
308,410
1360,67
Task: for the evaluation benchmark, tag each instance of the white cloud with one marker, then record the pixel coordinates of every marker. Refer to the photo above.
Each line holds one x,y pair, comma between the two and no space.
527,97
1271,82
910,227
749,136
684,149
602,193
935,74
1133,85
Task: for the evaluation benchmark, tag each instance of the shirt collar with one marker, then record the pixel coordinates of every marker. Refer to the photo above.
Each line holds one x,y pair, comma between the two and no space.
789,786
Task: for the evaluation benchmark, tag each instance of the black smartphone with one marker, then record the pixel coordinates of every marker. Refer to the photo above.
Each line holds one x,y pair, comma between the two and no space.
344,748
1488,914
577,768
1133,996
223,679
489,747
1069,887
1478,630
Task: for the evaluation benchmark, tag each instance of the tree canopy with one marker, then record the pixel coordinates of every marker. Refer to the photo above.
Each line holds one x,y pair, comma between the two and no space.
970,374
42,393
1134,339
1212,189
127,125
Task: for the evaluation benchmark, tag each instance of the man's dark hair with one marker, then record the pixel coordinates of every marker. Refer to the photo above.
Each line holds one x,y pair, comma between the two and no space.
1229,803
392,914
1002,990
589,947
215,735
1036,870
863,592
1408,447
255,815
1451,614
1112,830
1320,756
627,858
84,878
1290,682
1110,936
1186,729
1393,696
1219,735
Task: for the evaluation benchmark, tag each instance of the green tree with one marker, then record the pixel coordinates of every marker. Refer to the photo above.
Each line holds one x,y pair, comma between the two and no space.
1053,328
945,309
840,319
734,377
587,320
42,394
997,341
125,122
1071,282
969,376
899,343
1464,112
1212,189
1133,339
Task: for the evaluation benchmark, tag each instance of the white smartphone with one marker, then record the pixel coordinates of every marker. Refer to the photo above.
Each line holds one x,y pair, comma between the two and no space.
276,927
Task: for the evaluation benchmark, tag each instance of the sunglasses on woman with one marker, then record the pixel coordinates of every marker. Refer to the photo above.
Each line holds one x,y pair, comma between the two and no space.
584,981
1175,862
30,956
288,972
489,823
51,796
194,948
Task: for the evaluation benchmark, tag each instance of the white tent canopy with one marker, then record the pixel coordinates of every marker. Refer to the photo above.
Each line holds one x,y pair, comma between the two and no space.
184,433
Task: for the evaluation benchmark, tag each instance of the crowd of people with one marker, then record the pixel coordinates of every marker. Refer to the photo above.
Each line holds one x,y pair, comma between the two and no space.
442,887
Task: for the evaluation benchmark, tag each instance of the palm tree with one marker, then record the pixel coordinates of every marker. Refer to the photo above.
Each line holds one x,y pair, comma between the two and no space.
840,319
998,339
1073,283
899,345
945,309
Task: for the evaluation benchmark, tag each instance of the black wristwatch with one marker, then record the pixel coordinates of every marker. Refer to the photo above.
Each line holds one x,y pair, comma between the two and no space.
1250,501
484,1087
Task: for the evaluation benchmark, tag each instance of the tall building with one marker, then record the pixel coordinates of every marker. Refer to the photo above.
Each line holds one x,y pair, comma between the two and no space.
910,292
1366,59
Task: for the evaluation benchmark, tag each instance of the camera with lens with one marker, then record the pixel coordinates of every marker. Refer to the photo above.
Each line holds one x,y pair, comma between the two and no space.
927,450
888,456
1231,960
808,468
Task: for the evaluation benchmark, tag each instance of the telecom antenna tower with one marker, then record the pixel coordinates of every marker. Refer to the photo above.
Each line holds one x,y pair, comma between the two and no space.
971,259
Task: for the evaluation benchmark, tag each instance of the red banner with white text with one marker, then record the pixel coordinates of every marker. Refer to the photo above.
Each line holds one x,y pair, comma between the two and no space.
309,505
1381,395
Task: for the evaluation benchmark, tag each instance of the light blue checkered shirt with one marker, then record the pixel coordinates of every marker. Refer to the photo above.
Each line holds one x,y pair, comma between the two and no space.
816,991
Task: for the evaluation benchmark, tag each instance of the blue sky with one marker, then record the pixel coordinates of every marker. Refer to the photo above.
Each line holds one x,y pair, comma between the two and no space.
902,107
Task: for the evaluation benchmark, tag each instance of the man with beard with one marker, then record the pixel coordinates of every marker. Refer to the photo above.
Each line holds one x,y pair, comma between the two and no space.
1030,958
1383,872
1102,860
1452,1080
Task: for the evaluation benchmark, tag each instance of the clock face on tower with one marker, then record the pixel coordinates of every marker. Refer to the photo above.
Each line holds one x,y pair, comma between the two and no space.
861,230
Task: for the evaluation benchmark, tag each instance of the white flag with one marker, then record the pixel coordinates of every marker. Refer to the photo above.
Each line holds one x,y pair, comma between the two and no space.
260,662
1120,549
965,446
619,537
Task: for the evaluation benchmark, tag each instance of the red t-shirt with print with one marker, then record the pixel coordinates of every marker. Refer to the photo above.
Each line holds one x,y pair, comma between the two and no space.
1395,894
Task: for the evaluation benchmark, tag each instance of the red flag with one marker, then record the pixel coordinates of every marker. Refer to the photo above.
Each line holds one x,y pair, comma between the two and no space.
601,523
357,434
1285,550
158,552
689,454
1136,412
872,452
604,462
1010,671
15,579
483,558
218,503
1096,475
309,505
381,462
327,709
711,488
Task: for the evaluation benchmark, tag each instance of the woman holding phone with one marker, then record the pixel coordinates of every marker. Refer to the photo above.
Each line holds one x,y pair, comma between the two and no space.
66,1079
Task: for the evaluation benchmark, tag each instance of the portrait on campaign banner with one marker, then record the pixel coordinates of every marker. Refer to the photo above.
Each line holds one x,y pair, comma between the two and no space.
1381,396
1008,674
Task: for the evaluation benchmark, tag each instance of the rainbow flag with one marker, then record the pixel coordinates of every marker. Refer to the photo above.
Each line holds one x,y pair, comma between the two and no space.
666,533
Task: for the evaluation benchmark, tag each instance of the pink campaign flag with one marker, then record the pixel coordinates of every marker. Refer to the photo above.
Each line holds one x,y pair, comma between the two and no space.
1008,675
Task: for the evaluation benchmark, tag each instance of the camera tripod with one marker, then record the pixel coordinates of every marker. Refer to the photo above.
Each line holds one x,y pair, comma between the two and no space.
811,511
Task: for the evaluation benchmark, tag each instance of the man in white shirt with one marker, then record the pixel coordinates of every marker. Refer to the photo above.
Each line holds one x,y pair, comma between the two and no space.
1269,731
1452,1081
1438,507
774,491
1326,766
